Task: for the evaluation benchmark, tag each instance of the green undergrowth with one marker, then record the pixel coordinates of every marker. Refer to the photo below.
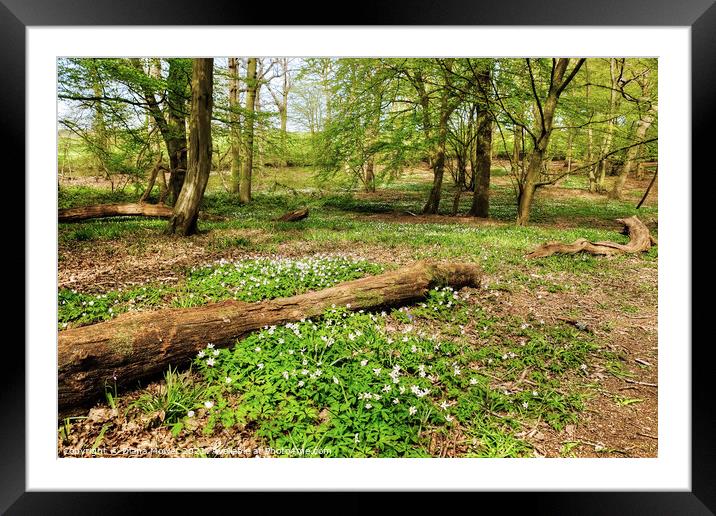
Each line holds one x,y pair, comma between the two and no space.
245,280
355,384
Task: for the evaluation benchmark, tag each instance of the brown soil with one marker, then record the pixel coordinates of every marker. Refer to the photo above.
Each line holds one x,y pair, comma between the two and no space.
620,308
621,311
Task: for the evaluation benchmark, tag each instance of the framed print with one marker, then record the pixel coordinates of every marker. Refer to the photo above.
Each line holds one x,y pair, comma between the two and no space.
472,359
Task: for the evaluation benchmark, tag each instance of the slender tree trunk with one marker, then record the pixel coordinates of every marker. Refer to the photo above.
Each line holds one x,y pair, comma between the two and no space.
177,83
99,127
369,181
591,170
186,209
481,197
516,151
529,187
433,204
631,157
648,189
613,101
247,165
235,120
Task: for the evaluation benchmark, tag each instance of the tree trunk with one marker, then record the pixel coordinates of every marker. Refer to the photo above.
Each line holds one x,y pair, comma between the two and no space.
99,127
140,345
642,126
235,119
516,152
632,153
369,181
648,189
613,101
640,240
159,167
113,210
186,209
247,165
546,110
481,196
529,187
591,170
433,204
177,84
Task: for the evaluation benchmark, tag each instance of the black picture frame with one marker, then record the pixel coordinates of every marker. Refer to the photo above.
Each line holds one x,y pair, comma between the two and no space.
700,15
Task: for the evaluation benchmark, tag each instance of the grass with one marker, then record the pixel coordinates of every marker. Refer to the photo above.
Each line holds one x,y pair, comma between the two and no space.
246,280
355,384
471,380
175,399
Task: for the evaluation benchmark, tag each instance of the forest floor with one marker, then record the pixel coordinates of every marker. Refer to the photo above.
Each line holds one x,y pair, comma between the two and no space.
558,355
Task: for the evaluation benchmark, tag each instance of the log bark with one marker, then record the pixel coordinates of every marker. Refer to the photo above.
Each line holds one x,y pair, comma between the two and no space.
113,210
640,240
140,345
99,211
293,216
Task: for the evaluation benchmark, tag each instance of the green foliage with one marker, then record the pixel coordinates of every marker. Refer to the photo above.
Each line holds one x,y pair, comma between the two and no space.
353,385
246,280
264,278
175,398
77,308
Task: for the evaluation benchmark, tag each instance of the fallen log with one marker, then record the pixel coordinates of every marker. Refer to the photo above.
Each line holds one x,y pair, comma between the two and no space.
640,240
99,211
293,216
140,345
113,210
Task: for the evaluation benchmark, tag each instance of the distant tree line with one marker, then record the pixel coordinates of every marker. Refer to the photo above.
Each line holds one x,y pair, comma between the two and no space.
367,118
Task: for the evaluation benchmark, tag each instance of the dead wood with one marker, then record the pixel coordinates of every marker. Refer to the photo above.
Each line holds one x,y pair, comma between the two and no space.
293,216
140,345
640,240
